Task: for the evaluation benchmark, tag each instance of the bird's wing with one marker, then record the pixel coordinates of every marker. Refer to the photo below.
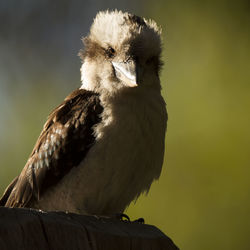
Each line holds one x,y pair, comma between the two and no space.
66,138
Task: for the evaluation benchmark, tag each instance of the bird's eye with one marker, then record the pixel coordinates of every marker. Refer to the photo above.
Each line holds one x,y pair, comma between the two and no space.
110,52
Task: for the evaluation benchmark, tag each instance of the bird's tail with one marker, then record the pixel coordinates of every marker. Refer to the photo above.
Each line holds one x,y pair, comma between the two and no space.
7,192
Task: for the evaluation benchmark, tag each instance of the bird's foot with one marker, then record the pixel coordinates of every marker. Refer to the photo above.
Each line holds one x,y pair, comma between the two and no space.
121,217
140,221
125,218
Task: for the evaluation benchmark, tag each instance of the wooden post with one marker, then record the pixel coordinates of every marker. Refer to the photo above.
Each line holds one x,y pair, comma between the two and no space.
31,229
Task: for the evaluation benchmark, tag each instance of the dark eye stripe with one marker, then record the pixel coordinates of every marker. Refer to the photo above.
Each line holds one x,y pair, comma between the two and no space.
152,59
110,52
149,60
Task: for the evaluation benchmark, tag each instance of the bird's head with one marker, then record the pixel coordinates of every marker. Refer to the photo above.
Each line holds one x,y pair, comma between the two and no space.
121,51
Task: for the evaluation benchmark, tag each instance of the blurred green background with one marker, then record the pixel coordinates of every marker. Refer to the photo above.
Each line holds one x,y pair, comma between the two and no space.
202,200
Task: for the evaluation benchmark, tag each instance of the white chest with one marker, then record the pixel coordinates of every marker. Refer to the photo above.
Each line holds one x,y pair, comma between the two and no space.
126,157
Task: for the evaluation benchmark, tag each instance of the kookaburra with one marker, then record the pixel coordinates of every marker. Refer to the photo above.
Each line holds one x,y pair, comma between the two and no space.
104,145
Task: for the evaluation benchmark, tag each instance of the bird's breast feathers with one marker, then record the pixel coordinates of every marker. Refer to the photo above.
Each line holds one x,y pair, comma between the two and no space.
122,163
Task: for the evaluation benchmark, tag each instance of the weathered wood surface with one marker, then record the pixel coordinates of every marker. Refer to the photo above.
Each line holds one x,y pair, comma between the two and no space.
31,229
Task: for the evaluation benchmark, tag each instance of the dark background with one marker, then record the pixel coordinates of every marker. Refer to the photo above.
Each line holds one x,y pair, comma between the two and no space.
202,198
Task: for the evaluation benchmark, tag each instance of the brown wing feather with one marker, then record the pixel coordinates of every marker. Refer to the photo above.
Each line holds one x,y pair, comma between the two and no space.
7,192
66,138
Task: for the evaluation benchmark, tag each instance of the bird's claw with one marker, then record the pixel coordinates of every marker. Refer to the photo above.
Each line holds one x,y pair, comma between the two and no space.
122,217
140,221
125,218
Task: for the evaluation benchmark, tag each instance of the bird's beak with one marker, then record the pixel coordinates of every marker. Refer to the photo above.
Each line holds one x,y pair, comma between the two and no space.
126,72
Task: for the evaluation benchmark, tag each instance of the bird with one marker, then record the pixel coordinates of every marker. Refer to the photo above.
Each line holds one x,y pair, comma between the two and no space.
103,146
